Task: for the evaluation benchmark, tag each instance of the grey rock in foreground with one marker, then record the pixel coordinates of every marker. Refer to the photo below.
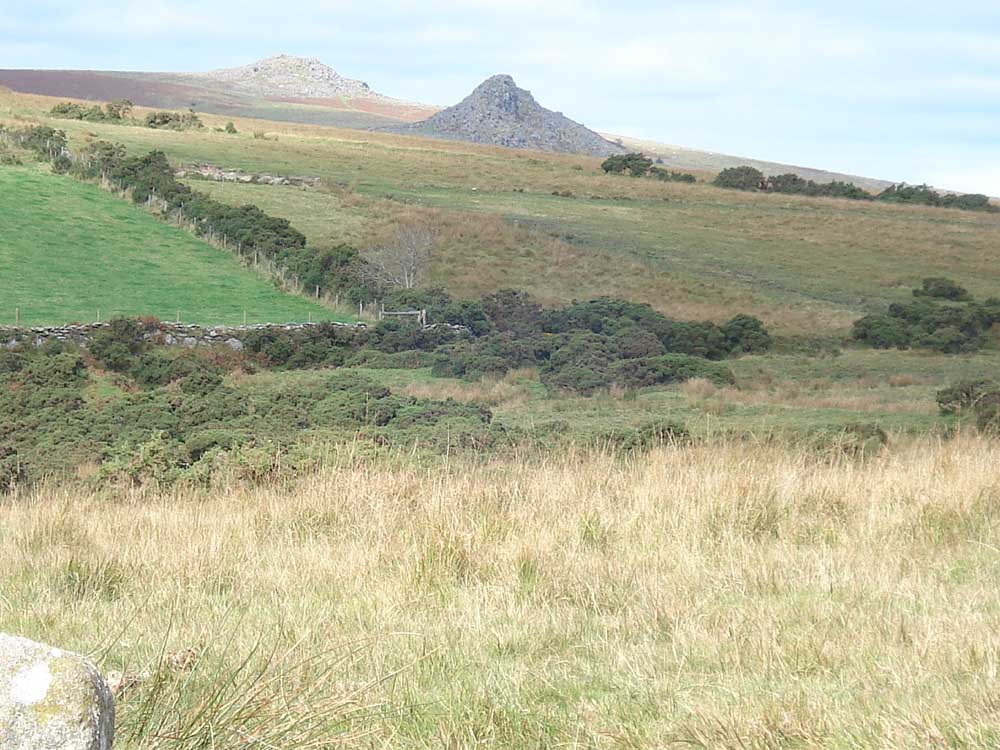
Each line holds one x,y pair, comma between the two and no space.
51,699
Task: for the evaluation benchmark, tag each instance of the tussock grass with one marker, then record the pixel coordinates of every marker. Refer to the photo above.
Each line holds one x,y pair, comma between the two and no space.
717,596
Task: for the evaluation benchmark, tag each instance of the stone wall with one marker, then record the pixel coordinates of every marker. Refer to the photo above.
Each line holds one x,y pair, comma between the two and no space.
218,174
169,334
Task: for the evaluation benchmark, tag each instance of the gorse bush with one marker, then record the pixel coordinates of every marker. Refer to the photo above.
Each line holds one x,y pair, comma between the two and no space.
926,196
739,178
114,112
979,398
46,142
174,120
940,288
966,395
635,164
943,317
750,178
640,165
189,416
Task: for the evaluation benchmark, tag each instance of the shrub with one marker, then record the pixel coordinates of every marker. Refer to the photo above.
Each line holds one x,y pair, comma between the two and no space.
174,120
230,128
490,356
117,346
739,178
46,142
941,288
882,332
926,196
795,185
965,395
396,335
114,111
514,311
950,340
666,369
988,414
747,335
635,164
582,363
669,176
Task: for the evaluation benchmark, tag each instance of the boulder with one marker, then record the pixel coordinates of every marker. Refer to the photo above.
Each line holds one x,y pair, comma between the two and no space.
51,699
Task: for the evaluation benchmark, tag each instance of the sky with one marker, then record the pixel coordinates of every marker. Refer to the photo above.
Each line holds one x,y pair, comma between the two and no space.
903,91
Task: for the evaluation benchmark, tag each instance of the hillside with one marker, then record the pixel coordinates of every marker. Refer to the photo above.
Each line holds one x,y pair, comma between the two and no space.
546,520
73,252
681,157
282,88
557,226
292,89
498,113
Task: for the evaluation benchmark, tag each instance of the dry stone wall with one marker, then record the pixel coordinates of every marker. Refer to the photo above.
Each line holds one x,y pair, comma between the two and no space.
219,174
169,334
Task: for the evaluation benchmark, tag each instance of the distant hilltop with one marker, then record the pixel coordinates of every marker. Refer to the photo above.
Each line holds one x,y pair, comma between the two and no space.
286,76
499,113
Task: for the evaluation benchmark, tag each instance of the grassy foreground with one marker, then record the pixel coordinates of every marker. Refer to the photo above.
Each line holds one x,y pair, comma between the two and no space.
71,252
727,596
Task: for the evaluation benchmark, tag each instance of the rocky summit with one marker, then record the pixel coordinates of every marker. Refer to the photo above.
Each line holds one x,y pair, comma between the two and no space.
285,76
501,114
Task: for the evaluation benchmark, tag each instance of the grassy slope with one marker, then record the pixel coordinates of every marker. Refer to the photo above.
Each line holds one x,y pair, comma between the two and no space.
71,250
803,264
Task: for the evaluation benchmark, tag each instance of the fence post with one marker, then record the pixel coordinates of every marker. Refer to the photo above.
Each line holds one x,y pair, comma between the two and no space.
244,316
361,309
98,315
17,316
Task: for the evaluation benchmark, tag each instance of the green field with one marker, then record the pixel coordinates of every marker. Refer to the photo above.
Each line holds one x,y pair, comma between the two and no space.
72,252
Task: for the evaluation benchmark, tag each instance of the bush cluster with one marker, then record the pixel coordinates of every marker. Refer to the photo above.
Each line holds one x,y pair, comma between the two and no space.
188,418
926,196
113,112
174,120
750,178
587,346
943,317
640,165
47,143
980,398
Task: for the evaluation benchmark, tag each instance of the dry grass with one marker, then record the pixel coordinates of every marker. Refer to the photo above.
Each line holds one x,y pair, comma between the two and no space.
863,395
511,391
719,597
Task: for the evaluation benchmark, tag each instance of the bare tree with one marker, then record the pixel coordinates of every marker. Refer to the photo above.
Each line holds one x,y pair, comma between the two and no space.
401,261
